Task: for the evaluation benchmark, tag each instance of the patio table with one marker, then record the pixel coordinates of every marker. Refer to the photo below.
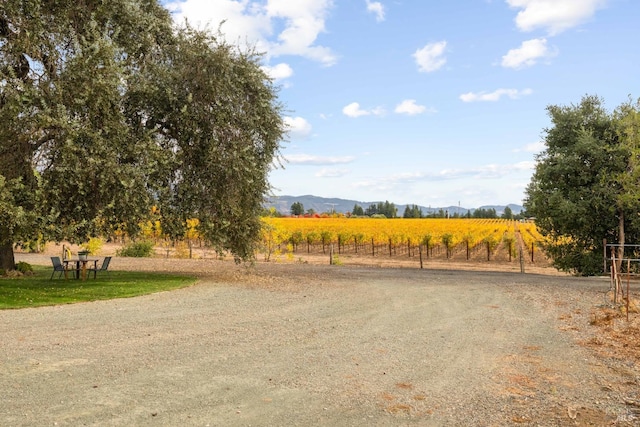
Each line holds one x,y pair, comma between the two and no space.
81,265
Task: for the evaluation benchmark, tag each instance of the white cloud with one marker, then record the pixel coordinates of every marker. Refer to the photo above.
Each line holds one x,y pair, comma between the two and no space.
555,16
304,21
307,159
253,23
524,166
527,54
377,9
378,111
495,95
354,110
430,57
297,127
534,147
278,72
491,171
332,173
243,24
409,106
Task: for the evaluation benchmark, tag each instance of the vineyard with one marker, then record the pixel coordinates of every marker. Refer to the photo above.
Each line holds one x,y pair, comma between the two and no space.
452,240
376,241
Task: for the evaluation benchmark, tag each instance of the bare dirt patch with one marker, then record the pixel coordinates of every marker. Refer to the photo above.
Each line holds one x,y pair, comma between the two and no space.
295,343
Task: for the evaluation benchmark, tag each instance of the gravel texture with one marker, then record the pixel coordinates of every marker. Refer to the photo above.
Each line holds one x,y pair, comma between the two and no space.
283,344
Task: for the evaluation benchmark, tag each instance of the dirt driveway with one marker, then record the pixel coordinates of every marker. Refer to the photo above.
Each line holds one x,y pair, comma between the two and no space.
306,345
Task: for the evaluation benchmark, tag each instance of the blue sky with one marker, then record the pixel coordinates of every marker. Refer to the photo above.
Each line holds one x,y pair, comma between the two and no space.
427,102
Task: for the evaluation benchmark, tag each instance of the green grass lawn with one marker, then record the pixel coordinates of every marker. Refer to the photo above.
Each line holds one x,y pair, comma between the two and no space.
38,290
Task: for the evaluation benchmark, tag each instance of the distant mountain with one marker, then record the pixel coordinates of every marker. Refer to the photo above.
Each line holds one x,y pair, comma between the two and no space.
324,204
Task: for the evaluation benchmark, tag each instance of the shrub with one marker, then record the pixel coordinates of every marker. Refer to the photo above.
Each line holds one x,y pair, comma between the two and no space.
94,245
142,249
24,267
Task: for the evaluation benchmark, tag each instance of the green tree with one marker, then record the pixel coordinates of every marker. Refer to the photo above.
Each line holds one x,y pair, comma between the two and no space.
223,123
64,137
106,109
580,192
627,122
371,210
357,210
508,213
412,211
390,210
387,209
297,208
485,213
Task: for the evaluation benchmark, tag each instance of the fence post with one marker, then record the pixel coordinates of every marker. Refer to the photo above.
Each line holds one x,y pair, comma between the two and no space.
532,247
521,260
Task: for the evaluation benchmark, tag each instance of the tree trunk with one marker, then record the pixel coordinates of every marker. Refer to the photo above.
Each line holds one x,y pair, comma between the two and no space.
620,254
7,260
14,163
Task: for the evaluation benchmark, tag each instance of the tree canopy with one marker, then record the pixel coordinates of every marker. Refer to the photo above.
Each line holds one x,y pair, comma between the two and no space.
412,211
585,186
387,209
508,213
297,208
357,210
485,213
108,109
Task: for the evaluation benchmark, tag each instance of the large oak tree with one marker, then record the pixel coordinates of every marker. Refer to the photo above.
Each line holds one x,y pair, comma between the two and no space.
107,109
585,187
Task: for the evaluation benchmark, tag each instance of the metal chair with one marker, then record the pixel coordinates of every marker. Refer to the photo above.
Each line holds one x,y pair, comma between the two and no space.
103,268
58,267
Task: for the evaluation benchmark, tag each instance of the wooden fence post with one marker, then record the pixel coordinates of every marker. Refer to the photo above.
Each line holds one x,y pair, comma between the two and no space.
604,257
521,260
532,248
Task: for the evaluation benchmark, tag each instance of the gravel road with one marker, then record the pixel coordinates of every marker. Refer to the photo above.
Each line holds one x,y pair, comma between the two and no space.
303,345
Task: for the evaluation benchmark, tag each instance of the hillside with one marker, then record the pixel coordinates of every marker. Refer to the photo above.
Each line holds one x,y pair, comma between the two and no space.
324,204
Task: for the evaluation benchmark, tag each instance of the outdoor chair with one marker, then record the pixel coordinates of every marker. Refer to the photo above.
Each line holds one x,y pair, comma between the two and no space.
103,268
59,268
